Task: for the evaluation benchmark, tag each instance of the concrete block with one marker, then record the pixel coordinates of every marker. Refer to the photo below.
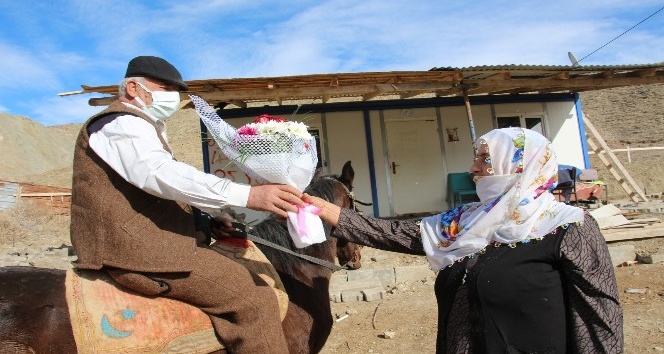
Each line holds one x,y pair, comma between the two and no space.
338,278
373,293
352,295
621,254
357,290
336,297
411,273
385,276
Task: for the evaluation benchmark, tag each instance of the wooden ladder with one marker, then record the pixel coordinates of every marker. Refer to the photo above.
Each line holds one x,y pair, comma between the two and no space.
616,168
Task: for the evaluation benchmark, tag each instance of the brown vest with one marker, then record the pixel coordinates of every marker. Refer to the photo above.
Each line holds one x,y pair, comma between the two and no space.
114,223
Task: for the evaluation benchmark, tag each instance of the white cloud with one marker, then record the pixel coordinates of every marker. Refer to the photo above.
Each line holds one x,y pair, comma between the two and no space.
63,110
24,70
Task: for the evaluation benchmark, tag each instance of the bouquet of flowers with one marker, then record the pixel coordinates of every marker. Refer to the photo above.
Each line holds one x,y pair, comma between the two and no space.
271,150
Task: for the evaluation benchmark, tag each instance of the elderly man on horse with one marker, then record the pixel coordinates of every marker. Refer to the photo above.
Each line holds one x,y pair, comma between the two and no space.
132,213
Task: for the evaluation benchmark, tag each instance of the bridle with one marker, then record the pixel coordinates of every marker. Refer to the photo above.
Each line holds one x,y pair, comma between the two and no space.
353,201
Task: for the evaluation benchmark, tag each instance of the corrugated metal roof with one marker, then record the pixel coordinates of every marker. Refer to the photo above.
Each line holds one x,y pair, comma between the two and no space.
440,82
514,67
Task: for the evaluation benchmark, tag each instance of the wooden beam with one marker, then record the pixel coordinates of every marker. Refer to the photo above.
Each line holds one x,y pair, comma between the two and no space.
499,76
607,74
454,91
101,101
410,94
368,96
561,76
621,235
471,123
307,92
570,84
238,103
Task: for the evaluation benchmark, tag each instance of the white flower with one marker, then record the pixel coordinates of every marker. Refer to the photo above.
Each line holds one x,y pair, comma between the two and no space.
299,129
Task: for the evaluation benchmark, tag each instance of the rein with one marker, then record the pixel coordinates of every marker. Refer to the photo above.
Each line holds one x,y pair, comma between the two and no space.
321,262
241,232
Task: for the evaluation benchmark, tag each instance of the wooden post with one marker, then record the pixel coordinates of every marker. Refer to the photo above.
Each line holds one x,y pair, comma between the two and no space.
471,124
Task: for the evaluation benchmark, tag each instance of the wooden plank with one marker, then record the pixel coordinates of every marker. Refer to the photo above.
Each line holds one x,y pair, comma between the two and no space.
605,211
632,235
613,235
55,194
611,221
629,226
644,221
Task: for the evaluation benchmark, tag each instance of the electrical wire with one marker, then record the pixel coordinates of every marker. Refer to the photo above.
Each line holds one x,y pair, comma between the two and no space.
620,35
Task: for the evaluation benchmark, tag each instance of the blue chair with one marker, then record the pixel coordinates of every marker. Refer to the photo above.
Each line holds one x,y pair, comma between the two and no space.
460,188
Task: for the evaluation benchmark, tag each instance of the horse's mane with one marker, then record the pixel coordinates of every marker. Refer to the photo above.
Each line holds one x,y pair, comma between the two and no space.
276,232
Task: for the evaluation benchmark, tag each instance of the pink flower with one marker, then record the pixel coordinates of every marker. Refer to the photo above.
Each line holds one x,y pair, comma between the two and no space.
247,130
264,118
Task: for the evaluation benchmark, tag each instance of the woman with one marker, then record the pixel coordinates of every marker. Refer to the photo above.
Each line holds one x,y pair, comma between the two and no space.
518,272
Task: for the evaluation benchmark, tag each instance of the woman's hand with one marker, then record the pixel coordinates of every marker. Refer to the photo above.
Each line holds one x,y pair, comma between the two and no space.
329,212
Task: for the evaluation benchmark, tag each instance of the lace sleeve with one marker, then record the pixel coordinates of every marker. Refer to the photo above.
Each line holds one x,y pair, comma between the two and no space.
401,236
594,308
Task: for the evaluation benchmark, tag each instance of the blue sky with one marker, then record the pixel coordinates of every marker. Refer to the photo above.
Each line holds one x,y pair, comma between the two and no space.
54,46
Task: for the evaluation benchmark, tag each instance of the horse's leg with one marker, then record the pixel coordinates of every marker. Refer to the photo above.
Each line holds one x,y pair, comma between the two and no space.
33,311
308,321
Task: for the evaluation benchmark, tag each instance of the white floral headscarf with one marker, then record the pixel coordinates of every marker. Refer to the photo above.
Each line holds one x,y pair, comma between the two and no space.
515,202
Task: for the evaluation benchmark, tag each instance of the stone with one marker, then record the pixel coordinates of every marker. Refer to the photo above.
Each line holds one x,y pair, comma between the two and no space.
621,254
389,334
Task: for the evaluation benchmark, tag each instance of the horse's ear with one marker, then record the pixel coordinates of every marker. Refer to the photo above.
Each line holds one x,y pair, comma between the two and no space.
317,174
347,174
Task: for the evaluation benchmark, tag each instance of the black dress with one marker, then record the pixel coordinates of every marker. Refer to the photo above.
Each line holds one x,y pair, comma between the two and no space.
555,295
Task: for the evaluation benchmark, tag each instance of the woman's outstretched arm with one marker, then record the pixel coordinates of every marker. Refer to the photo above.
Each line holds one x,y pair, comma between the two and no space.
401,236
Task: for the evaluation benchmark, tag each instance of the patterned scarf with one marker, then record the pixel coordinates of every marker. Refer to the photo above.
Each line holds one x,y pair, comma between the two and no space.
515,202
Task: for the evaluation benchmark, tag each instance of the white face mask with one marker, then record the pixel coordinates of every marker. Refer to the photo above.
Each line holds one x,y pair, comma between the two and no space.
164,103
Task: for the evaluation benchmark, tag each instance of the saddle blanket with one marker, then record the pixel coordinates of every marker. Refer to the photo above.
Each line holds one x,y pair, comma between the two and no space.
106,318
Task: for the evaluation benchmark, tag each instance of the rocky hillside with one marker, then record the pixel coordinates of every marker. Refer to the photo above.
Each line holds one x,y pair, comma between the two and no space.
631,116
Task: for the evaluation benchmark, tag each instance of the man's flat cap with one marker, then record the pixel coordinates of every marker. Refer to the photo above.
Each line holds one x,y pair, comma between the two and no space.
156,68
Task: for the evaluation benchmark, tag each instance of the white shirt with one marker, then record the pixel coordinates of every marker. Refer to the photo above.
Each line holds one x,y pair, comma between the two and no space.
129,145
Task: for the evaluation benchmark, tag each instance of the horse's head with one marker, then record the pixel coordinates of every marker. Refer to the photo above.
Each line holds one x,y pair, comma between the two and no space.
349,254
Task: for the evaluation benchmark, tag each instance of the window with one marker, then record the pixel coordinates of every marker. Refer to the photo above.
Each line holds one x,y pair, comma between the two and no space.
533,122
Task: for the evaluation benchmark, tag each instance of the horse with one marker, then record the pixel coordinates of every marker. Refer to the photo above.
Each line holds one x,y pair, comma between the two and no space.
34,317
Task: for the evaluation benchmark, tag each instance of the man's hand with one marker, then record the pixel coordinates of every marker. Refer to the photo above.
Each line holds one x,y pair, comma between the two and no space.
275,198
221,227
